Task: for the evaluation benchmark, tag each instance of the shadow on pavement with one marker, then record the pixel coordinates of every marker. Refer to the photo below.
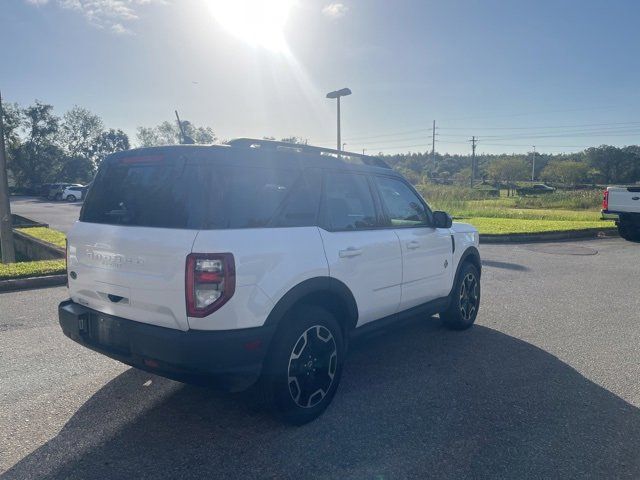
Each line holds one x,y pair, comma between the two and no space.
505,265
420,402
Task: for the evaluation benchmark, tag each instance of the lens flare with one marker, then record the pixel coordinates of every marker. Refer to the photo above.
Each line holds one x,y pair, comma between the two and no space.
260,23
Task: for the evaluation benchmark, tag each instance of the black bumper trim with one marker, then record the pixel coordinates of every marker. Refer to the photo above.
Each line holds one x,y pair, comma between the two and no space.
230,359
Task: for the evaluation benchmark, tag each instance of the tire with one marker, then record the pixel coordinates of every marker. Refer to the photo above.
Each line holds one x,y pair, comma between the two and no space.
465,299
71,198
299,391
629,231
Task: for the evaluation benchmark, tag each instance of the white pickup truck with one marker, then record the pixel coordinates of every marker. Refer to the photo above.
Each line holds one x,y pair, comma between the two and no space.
624,202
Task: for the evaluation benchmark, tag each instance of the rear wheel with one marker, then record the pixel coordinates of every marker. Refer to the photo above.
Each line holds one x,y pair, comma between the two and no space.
304,366
628,229
465,299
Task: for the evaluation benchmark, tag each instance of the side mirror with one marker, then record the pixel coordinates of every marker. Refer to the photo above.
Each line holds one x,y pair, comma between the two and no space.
442,220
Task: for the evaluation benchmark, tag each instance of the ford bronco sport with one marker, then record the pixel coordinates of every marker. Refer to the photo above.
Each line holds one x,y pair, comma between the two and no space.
255,263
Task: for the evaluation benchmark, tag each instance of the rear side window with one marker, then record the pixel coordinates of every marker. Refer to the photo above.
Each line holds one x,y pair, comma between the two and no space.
178,193
301,206
348,203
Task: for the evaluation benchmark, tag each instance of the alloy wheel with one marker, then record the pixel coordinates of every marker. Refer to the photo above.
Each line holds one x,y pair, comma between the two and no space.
312,366
469,296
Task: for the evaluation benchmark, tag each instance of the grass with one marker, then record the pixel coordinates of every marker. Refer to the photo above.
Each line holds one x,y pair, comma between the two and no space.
48,235
553,212
504,226
32,269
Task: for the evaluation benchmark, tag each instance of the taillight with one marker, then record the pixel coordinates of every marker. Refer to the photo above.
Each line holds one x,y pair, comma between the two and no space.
210,282
605,200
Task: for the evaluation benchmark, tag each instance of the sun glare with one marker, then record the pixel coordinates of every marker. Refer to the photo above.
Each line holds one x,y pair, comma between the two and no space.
258,22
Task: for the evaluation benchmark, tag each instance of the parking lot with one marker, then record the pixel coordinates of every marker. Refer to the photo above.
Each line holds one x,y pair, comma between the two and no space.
544,386
59,215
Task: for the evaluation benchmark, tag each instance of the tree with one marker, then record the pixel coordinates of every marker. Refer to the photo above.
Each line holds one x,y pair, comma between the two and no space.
508,170
614,165
109,142
37,159
168,133
568,172
79,132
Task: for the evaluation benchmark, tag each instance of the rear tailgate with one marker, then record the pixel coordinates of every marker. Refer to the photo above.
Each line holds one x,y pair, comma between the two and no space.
622,199
127,254
136,273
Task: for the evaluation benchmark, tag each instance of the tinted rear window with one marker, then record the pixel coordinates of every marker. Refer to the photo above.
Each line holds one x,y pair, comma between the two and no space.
187,194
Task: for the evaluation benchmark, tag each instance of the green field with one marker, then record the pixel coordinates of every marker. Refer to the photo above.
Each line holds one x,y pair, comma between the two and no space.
554,212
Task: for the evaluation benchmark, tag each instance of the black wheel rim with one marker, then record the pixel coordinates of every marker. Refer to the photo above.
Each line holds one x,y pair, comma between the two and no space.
469,297
312,366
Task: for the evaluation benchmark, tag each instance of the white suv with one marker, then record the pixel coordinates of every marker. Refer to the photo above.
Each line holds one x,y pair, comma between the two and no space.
255,262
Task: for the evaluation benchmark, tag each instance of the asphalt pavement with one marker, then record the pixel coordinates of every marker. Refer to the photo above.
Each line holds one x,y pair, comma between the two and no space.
545,385
59,215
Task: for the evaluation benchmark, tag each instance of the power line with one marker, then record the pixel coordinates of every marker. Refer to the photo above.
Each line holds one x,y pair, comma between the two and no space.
534,128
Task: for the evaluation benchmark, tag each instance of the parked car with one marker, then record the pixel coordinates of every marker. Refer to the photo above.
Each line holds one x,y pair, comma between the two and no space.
57,189
74,193
535,189
255,263
624,202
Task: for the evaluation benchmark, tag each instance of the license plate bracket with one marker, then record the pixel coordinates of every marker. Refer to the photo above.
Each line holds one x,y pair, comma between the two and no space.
109,333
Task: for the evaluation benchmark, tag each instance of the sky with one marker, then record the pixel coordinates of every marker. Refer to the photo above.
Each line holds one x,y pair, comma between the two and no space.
558,74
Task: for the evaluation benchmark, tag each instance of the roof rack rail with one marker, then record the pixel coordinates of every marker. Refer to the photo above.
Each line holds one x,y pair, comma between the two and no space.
349,157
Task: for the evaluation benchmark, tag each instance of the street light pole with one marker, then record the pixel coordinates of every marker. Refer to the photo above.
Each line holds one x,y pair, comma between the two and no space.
533,167
337,94
6,232
339,139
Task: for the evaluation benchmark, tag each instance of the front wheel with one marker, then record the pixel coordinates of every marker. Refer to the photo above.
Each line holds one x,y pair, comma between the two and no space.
465,299
71,198
304,366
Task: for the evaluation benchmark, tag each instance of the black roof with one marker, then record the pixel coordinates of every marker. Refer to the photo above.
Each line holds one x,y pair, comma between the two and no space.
321,156
348,157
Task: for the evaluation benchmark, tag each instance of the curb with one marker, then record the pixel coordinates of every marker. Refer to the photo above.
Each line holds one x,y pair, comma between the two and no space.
32,282
549,236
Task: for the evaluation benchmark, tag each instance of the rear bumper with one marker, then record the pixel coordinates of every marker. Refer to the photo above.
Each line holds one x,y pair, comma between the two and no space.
230,359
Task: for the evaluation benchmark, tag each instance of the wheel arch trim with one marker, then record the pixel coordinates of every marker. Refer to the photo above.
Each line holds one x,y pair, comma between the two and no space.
307,289
470,254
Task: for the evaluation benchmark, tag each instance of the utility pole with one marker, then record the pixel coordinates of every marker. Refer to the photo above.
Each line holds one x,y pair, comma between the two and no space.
433,143
364,150
533,167
6,232
473,141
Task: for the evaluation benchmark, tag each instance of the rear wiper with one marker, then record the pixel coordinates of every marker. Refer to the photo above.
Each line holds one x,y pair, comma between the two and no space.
118,213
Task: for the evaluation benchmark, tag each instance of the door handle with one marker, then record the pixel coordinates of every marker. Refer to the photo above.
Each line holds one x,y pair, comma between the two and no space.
412,245
350,252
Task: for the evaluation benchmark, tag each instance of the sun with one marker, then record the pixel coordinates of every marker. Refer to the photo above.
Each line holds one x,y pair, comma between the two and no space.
258,22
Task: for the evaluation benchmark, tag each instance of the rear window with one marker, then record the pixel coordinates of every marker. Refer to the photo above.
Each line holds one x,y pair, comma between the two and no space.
184,194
